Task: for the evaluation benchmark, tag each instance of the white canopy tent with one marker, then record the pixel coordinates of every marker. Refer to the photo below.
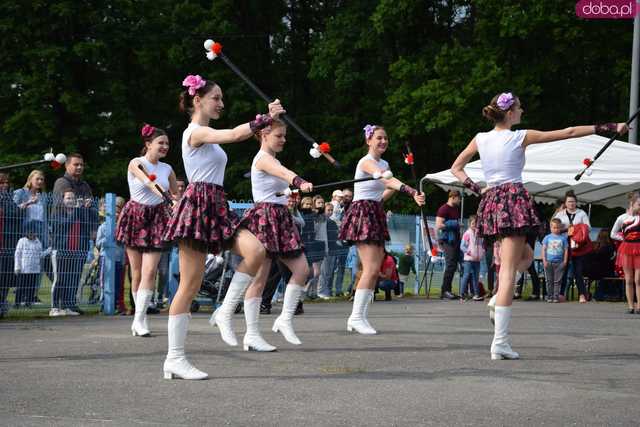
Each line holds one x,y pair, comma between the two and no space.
550,170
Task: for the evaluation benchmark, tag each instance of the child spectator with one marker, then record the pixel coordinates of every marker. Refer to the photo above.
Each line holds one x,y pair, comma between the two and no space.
28,256
473,251
555,255
388,276
406,265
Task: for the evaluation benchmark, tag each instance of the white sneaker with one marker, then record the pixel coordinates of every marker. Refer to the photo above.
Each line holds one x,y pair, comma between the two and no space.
324,296
56,312
69,312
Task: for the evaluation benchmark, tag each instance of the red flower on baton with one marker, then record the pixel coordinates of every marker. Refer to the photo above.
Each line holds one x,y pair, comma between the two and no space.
587,162
324,148
216,48
152,177
408,159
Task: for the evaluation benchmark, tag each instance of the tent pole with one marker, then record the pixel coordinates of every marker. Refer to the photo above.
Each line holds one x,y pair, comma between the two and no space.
589,211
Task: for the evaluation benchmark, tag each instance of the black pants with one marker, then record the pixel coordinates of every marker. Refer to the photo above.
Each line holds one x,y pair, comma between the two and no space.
277,272
535,281
577,262
451,259
7,277
491,269
26,287
69,266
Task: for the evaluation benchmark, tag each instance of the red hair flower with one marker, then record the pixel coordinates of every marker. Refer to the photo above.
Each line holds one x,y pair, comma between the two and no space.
587,162
216,48
147,130
152,176
324,148
408,159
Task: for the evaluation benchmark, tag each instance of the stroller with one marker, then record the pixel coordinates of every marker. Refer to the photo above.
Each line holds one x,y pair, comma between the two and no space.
218,272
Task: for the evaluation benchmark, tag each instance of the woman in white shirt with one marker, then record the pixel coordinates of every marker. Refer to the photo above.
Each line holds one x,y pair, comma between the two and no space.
202,221
365,222
569,216
144,219
506,211
271,222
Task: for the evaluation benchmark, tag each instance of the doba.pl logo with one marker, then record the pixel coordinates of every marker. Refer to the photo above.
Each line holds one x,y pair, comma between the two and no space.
607,9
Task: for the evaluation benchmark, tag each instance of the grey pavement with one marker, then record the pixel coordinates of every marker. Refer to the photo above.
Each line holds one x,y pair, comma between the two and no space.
428,366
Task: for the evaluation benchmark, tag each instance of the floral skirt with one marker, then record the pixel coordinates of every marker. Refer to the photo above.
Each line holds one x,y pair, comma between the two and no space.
142,226
364,222
273,225
507,210
203,218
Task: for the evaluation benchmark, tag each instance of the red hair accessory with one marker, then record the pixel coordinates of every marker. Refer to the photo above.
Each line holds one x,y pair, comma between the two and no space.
324,148
147,130
152,177
408,159
587,162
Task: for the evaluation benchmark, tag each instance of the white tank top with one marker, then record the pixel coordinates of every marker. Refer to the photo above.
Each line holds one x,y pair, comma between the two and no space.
502,155
205,163
139,191
369,190
264,186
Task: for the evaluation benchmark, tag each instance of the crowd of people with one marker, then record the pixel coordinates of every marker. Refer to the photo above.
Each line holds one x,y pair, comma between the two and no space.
46,233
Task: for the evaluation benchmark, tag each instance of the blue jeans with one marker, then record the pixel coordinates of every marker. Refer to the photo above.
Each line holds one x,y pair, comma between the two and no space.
471,271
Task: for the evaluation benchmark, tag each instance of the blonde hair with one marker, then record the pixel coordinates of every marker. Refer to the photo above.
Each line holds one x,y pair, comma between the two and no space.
33,173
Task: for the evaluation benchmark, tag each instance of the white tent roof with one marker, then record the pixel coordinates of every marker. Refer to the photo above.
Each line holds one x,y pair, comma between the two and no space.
550,170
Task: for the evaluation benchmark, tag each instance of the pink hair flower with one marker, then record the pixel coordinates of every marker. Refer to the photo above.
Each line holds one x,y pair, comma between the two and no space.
147,130
193,83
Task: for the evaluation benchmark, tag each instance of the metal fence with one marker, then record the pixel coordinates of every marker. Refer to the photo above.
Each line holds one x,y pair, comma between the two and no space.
46,253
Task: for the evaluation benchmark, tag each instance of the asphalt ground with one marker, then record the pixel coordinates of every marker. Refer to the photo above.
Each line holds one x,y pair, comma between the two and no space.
429,365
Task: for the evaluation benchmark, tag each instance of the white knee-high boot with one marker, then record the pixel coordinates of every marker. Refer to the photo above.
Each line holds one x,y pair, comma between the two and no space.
358,320
139,325
501,346
253,341
284,322
223,315
176,364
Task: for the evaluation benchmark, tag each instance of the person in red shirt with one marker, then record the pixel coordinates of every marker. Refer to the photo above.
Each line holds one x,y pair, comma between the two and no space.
448,229
388,275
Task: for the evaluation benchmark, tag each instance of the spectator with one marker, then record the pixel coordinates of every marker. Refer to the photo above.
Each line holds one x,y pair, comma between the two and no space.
341,257
315,248
388,277
353,262
600,264
571,216
406,265
32,201
471,246
322,234
28,265
72,181
336,253
338,208
347,198
119,257
555,255
182,185
9,234
448,229
72,227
